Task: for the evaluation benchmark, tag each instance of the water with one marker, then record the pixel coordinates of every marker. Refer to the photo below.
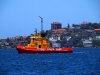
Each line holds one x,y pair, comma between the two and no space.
83,61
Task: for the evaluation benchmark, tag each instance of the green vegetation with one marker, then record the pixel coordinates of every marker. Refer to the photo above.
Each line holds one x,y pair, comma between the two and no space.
91,26
96,43
76,34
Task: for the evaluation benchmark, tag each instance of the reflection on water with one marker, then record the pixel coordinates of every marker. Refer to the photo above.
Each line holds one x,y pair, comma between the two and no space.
83,61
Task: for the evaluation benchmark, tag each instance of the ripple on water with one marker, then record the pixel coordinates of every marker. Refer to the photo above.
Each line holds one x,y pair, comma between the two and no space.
81,61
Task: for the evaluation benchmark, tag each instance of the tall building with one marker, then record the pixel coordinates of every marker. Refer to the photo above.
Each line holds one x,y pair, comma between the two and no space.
56,25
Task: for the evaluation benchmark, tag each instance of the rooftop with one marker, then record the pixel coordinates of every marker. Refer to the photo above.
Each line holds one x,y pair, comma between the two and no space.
97,29
56,23
59,30
83,23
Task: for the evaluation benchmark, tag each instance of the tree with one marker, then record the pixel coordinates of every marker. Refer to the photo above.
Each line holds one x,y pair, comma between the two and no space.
49,33
61,36
72,25
63,41
96,43
8,40
68,26
79,44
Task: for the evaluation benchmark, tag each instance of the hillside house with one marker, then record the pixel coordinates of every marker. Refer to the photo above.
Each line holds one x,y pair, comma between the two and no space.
84,37
56,34
55,37
87,43
67,37
76,37
60,31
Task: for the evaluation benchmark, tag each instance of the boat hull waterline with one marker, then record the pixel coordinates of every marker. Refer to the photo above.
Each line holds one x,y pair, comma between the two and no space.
22,49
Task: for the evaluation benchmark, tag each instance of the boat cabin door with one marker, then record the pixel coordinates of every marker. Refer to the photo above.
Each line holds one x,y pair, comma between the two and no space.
38,46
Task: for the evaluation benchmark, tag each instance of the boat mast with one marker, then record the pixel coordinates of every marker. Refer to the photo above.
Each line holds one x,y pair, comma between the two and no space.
41,24
41,28
36,31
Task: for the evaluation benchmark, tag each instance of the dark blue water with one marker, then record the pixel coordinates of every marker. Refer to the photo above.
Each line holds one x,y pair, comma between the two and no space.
83,61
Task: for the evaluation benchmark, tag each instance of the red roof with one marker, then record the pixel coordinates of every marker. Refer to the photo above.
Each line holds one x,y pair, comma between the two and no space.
24,37
84,22
4,39
97,29
59,30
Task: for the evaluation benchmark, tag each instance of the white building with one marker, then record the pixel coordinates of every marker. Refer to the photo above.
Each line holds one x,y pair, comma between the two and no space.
87,43
57,45
54,38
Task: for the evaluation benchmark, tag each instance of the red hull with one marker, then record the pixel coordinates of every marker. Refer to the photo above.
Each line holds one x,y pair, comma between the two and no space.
22,49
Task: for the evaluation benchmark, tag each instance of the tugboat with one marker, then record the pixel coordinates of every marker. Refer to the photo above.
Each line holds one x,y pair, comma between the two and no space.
40,44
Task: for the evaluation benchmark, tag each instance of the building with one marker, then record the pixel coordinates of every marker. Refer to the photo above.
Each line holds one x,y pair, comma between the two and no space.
84,23
87,43
84,37
97,31
67,37
56,25
56,45
97,37
60,31
89,33
56,34
68,44
4,39
54,38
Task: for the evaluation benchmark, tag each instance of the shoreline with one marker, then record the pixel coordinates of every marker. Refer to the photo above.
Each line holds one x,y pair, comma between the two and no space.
72,47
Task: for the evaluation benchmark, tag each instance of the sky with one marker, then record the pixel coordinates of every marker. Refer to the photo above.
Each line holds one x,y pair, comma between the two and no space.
21,17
